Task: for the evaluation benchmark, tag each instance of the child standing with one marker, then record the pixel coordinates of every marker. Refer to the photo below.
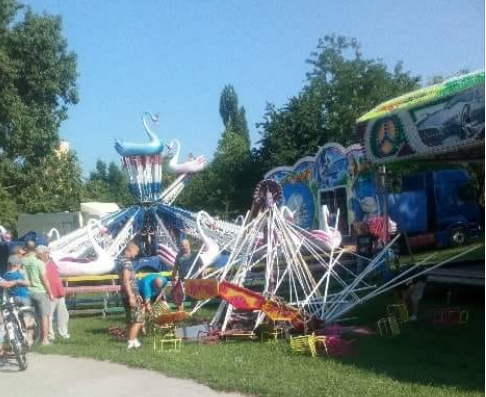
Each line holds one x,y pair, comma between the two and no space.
20,292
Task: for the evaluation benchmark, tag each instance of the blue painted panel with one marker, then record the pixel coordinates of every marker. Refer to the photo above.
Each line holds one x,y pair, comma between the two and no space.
409,211
298,197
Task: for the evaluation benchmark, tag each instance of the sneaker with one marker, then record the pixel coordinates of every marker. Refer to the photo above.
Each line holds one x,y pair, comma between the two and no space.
51,337
137,344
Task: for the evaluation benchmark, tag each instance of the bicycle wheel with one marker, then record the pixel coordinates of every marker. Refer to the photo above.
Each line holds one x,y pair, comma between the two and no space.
31,325
17,344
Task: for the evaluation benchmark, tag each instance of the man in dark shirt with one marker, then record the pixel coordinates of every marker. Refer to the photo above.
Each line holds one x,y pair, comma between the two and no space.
183,263
132,300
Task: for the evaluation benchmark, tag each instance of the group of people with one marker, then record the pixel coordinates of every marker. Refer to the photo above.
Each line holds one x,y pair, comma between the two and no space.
33,280
139,295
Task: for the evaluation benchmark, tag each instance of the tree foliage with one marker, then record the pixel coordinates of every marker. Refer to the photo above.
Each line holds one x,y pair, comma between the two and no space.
37,85
8,210
222,188
107,184
341,86
54,185
37,82
233,116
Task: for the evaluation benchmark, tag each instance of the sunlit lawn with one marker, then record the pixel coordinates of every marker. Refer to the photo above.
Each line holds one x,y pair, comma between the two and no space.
446,253
425,360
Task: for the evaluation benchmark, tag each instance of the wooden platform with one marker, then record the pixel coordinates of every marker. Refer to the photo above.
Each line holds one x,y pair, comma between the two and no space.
472,275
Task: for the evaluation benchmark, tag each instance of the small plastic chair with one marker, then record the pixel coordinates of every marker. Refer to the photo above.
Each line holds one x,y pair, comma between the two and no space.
304,344
449,316
388,327
399,311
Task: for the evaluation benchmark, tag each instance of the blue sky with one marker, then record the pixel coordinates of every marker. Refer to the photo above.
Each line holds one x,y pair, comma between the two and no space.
174,57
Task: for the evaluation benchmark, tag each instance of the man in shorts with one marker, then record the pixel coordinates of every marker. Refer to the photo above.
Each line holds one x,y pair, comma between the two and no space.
412,291
413,294
132,300
39,289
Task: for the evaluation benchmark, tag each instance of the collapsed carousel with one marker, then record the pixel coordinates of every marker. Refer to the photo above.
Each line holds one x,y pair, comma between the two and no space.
269,270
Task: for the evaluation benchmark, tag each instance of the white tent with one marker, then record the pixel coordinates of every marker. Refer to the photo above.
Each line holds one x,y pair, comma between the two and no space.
96,210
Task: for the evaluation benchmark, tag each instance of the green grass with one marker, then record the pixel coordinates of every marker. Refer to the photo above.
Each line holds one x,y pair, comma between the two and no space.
425,360
446,253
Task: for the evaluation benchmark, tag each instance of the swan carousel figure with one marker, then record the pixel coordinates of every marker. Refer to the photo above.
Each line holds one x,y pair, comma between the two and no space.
188,167
210,252
154,146
104,262
328,236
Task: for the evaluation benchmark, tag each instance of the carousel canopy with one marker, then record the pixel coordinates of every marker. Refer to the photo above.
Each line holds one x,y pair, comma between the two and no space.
441,122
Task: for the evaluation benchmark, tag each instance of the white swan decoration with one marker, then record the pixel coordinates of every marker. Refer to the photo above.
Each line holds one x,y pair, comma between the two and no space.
240,220
211,249
189,167
104,262
53,232
331,238
287,214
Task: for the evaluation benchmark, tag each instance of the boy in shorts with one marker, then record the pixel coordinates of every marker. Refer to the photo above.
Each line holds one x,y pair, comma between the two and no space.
132,300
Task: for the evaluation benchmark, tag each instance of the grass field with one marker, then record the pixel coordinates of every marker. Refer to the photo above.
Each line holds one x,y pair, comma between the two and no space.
425,360
446,253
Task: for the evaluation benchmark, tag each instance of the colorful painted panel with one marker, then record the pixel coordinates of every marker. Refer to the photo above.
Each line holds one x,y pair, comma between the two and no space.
331,166
278,311
440,119
298,197
202,289
239,297
334,167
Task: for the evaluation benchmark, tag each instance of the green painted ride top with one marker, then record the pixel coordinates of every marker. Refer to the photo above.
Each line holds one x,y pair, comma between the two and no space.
427,94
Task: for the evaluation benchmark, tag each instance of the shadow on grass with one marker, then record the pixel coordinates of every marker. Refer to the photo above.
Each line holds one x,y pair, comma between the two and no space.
99,331
425,353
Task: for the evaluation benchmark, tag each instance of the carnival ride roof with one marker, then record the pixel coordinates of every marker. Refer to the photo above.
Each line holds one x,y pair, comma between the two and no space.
442,122
426,95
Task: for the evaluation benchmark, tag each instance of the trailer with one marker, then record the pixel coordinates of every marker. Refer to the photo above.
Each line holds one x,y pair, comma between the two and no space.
434,208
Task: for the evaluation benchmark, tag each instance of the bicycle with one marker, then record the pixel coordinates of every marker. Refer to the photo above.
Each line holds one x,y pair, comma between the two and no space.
17,329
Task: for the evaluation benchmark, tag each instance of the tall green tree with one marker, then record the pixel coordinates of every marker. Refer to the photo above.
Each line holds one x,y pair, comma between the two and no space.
233,116
8,210
55,185
222,187
107,184
37,82
341,86
37,85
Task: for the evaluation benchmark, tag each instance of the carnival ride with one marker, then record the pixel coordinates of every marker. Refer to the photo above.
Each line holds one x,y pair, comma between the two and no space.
296,275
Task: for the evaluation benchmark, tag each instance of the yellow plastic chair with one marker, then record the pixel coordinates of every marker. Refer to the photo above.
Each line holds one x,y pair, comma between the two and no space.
399,311
388,327
305,344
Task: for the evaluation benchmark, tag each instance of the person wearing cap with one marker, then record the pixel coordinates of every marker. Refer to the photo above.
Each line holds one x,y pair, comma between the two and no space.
39,289
20,292
58,305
